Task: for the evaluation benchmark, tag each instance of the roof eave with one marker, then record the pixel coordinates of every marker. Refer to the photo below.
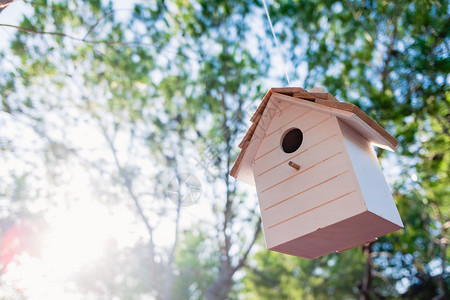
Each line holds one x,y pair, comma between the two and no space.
349,113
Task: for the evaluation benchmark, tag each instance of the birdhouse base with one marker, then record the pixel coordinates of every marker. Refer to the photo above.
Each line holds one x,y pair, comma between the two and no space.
341,236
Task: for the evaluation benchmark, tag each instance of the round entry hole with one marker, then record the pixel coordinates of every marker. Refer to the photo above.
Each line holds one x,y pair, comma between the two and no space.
292,140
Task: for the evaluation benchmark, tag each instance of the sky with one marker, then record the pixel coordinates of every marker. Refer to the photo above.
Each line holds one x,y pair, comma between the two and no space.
99,222
115,221
78,188
12,15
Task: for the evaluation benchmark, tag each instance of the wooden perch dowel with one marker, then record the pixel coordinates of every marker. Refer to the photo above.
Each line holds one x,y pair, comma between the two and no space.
294,165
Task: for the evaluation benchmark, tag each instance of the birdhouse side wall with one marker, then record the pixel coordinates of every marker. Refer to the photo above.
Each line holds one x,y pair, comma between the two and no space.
322,192
375,190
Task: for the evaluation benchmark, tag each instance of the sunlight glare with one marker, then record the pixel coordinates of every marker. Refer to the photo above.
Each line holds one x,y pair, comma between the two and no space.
78,237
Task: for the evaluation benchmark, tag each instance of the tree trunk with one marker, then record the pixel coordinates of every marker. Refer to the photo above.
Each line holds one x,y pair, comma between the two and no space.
222,286
367,280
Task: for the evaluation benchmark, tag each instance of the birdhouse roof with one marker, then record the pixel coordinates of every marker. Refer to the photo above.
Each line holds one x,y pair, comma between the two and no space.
319,101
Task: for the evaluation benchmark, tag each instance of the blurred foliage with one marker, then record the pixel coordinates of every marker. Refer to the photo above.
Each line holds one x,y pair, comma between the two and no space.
171,84
282,276
391,59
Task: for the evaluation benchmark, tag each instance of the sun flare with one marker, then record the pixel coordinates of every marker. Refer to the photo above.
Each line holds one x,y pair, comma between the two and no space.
77,237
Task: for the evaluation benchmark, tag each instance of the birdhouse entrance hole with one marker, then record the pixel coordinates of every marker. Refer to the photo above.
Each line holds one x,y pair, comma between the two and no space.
292,140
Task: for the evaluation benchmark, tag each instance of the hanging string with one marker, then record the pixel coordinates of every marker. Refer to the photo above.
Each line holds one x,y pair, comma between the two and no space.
276,42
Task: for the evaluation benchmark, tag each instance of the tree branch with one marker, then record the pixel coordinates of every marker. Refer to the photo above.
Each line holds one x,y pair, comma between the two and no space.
357,16
130,190
442,243
96,23
389,53
367,279
256,233
105,42
62,34
263,275
228,214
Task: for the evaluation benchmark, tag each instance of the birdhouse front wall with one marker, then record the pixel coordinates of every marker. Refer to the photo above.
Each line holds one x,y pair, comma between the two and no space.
322,192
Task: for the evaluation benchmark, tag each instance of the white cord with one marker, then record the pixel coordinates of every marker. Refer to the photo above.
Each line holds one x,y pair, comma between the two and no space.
276,42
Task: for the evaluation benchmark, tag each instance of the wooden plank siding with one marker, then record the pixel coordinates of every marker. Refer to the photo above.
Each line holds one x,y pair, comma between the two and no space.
329,194
345,234
306,120
321,217
312,140
329,168
318,153
325,179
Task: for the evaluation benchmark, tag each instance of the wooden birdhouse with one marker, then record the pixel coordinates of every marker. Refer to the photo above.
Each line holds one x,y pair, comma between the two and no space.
319,183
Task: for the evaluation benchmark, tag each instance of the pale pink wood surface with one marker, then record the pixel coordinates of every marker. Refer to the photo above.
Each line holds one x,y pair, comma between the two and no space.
319,208
306,159
313,197
352,119
347,233
311,140
376,192
305,121
301,181
320,217
244,172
